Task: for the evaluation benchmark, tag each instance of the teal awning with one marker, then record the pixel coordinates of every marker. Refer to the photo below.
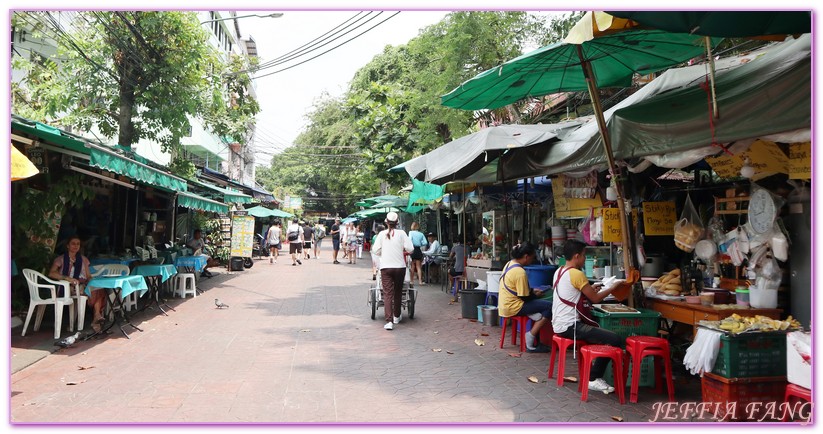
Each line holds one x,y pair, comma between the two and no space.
108,160
51,135
228,195
193,201
423,193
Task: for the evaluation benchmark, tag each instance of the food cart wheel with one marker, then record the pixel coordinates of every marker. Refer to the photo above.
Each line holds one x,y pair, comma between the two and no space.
410,302
373,302
247,262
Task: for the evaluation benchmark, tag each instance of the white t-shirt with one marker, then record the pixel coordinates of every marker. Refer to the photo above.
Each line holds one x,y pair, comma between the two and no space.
391,249
569,287
274,235
295,228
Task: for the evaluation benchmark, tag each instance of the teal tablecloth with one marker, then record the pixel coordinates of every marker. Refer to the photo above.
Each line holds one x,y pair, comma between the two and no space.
196,262
103,261
164,271
127,284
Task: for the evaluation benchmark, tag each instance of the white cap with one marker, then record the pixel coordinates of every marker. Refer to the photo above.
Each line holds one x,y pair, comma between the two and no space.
391,216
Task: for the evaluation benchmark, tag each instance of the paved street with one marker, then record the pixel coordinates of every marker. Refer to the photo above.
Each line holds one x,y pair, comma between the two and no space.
297,345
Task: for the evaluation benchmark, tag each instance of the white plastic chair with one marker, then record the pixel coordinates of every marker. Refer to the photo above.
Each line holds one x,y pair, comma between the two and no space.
33,279
142,253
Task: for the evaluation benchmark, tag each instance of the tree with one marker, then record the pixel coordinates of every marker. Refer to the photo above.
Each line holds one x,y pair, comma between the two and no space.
132,74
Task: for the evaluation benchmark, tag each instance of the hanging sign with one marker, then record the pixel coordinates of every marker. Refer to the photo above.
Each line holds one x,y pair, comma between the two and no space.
566,207
766,157
659,218
242,233
800,160
612,232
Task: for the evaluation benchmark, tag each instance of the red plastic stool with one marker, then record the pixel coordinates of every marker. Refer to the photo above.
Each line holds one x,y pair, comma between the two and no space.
639,347
561,344
795,391
591,352
517,322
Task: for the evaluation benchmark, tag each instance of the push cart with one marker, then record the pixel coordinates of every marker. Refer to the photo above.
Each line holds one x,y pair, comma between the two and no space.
407,301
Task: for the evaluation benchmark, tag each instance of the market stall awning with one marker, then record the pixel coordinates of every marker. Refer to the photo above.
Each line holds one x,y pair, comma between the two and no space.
109,160
228,195
760,93
422,194
466,155
193,201
50,135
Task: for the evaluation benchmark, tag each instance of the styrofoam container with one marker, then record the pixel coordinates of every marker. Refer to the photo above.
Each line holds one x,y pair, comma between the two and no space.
799,359
493,277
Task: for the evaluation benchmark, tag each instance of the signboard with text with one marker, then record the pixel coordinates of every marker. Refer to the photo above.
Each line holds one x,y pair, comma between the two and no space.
612,232
242,236
800,160
659,218
569,207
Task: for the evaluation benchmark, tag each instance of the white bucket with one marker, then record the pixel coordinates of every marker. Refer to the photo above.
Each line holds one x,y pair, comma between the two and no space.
762,298
493,277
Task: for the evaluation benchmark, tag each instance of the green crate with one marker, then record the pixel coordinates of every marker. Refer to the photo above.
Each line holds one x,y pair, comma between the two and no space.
646,373
757,354
644,323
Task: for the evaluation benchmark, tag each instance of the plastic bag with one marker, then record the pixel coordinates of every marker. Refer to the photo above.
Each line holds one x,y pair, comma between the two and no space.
597,228
689,229
585,229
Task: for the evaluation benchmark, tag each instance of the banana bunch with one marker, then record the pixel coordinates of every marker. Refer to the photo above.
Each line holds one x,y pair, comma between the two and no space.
738,324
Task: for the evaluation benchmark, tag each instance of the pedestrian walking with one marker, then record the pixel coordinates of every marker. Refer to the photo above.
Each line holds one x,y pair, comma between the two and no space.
344,236
361,238
294,235
391,245
375,258
308,237
319,234
335,238
351,242
273,238
419,242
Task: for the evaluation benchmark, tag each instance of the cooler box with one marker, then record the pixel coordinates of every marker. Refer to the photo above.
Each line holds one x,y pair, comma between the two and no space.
799,359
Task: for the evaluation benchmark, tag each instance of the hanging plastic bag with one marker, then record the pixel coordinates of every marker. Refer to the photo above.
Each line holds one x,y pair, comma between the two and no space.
585,228
689,229
597,228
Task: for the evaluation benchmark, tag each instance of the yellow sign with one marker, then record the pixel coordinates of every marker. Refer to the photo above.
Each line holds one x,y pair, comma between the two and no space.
611,226
800,160
242,236
659,218
766,157
566,207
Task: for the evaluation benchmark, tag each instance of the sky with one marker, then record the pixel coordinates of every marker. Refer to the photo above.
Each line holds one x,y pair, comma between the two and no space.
286,97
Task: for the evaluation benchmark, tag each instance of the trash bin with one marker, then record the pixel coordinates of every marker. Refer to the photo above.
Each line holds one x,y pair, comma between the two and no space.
480,311
469,300
490,316
236,263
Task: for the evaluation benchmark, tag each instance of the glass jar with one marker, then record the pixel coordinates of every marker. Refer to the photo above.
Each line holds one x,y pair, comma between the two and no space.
742,296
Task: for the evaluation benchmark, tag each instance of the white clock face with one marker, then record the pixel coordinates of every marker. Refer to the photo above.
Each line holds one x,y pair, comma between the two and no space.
762,211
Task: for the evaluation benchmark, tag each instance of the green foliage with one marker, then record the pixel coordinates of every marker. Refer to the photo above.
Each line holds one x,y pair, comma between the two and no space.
232,109
132,74
183,168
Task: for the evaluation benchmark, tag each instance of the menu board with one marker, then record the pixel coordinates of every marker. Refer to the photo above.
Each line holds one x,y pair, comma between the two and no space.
659,218
800,160
567,207
612,232
242,236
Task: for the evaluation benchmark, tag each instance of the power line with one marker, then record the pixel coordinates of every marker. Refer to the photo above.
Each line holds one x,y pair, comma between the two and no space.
329,50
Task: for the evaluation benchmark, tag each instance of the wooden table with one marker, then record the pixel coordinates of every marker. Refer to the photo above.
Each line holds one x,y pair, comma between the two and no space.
692,314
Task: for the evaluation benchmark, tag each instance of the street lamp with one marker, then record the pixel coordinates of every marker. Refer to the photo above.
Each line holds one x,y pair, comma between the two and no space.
271,15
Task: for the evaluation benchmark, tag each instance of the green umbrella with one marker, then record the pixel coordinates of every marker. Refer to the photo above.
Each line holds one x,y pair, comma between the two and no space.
606,61
364,203
727,24
263,212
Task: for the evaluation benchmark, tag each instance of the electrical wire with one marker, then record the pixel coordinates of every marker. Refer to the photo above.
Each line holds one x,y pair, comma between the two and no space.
327,51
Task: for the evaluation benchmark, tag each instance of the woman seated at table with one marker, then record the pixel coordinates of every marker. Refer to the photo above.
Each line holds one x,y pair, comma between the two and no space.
74,268
432,254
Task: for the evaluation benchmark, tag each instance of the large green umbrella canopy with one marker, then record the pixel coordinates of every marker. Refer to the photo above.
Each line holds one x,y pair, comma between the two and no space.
558,67
727,24
367,213
263,212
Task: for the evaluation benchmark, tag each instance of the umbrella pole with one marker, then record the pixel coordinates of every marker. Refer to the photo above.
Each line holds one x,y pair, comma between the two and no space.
604,132
711,76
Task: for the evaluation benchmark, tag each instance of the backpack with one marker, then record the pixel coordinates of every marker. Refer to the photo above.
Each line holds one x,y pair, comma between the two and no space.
320,232
292,236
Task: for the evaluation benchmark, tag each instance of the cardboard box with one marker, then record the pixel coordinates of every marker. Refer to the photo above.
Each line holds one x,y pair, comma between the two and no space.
799,359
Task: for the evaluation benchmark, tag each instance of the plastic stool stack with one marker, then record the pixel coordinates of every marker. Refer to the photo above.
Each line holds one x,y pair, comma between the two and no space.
184,284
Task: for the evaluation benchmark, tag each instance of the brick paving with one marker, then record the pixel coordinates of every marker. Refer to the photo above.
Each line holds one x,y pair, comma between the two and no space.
297,345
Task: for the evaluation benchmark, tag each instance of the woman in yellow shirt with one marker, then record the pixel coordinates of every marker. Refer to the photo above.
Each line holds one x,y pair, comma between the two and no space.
517,299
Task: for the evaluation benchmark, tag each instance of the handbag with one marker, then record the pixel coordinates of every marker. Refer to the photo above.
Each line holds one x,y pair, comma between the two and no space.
292,236
583,306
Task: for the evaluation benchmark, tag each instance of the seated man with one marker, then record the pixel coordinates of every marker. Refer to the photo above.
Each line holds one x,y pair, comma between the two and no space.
568,321
432,254
198,244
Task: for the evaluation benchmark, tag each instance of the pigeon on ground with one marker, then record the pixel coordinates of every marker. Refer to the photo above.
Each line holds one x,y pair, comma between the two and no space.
219,304
69,341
